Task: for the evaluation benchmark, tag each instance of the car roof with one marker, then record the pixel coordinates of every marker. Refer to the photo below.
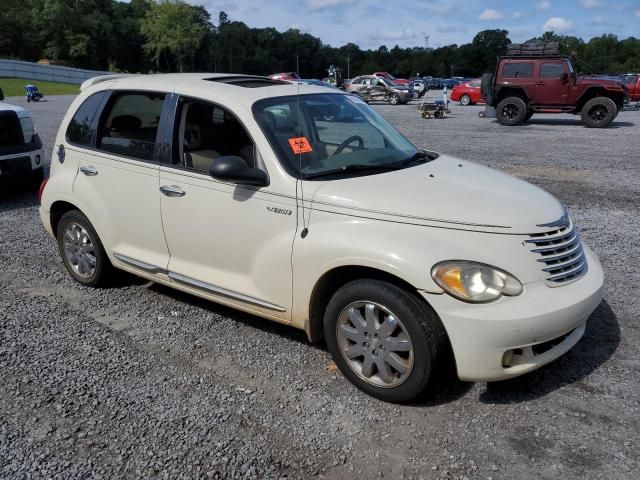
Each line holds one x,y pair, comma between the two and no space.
244,89
22,113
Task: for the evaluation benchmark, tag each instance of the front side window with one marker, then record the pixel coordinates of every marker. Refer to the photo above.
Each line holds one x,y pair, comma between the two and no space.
328,135
551,70
205,131
129,124
517,70
81,127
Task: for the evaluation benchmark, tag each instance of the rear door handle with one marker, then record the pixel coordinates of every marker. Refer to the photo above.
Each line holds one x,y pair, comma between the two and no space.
172,191
89,170
539,83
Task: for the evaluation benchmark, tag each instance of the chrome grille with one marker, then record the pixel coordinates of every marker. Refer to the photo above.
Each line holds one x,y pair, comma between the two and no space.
560,255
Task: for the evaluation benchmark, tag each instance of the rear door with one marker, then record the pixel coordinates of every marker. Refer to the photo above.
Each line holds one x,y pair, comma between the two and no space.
552,85
118,177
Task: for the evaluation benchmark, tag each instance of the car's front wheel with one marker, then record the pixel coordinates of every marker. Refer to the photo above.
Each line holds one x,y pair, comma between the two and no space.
599,112
394,99
383,339
82,251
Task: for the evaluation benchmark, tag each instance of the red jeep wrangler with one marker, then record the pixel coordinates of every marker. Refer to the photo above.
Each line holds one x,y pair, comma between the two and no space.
526,84
633,86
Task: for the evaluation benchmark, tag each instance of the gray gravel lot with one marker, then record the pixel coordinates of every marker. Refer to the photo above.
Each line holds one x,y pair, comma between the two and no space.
139,381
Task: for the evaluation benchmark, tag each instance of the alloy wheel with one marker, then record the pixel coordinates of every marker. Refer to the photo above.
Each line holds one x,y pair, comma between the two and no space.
79,250
375,344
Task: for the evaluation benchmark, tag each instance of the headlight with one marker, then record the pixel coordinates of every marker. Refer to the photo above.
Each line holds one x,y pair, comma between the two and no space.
474,282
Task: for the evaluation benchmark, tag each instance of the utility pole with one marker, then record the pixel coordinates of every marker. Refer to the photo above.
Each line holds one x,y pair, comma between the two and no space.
348,67
426,42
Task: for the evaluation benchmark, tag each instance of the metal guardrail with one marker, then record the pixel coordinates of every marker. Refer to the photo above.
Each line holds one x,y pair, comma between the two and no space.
48,73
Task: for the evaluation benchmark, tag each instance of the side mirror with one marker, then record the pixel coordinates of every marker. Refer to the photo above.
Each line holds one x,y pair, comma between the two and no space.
234,169
1,95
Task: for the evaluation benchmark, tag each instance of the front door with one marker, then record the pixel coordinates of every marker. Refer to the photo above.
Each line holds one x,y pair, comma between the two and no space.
228,241
552,84
118,178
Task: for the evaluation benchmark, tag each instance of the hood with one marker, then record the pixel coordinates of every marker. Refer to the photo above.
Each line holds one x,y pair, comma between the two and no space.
446,192
599,80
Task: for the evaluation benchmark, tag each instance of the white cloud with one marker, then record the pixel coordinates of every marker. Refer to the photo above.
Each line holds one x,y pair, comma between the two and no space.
490,14
543,5
326,4
557,24
518,15
638,13
589,3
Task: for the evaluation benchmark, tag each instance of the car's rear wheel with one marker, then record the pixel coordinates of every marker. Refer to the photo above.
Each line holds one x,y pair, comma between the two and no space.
465,100
394,99
383,339
511,111
82,251
599,112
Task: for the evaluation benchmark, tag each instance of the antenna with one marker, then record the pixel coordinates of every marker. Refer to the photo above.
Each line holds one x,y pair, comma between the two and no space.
305,230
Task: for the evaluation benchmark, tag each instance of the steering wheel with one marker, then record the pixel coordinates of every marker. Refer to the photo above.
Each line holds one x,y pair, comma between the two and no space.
348,141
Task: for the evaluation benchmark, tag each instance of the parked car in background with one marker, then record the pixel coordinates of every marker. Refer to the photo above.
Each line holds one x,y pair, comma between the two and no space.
406,260
420,87
632,82
21,152
391,78
371,89
285,76
467,93
525,84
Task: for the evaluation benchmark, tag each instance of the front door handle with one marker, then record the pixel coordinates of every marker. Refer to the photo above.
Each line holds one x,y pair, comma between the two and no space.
89,171
172,191
539,83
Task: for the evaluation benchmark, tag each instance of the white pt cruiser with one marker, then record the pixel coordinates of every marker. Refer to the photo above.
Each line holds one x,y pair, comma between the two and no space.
302,205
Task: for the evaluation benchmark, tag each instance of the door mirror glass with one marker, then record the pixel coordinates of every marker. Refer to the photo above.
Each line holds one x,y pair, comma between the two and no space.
234,169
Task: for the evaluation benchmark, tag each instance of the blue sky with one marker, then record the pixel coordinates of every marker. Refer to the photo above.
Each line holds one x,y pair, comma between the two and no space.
370,23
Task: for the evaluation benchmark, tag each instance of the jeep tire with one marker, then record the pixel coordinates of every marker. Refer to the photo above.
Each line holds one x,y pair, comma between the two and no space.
511,111
599,112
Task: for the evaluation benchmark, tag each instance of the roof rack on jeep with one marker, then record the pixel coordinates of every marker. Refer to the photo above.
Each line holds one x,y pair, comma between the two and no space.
533,49
248,81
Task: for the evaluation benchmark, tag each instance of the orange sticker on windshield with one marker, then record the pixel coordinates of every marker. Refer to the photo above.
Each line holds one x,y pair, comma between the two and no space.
300,145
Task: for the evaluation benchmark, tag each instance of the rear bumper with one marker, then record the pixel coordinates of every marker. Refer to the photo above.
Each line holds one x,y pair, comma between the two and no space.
537,326
21,164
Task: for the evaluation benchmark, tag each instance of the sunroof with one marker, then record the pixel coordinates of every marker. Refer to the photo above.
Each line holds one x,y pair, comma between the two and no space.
248,81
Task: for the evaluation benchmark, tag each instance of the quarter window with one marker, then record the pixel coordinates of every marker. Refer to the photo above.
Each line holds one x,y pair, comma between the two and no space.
81,127
517,70
551,70
129,124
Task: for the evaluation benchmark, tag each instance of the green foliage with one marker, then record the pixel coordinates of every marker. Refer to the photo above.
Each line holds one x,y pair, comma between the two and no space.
172,35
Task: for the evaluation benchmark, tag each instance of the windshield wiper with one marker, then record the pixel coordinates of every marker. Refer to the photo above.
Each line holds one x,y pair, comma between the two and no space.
353,169
418,157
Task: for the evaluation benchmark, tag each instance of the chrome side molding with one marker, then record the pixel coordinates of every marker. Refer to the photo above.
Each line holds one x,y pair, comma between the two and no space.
223,292
132,262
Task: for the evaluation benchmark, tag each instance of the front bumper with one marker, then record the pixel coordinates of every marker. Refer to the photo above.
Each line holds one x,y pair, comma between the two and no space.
481,334
21,164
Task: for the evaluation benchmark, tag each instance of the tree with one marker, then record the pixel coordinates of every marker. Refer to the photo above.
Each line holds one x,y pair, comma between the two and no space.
173,27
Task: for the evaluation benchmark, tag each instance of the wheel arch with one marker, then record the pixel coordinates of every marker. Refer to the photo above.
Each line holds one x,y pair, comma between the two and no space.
596,91
505,92
58,209
334,279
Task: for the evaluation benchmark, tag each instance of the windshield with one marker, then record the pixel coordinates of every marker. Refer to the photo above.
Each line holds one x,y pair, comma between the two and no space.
331,135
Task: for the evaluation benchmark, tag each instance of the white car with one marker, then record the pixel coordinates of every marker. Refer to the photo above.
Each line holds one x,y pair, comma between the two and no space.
302,205
21,152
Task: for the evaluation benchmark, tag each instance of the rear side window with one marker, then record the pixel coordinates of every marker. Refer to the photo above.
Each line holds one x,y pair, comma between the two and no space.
551,70
129,124
517,70
81,127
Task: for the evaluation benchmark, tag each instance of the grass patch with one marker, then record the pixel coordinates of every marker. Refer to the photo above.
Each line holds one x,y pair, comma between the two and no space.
14,87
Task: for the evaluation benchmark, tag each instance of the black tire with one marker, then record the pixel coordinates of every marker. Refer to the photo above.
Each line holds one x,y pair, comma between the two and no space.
465,100
418,320
511,111
103,268
599,112
394,99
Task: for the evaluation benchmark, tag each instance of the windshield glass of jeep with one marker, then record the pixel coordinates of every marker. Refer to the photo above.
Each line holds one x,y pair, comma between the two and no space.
332,135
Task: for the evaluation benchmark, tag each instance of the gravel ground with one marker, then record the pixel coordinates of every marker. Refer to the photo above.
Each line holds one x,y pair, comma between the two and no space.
140,381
